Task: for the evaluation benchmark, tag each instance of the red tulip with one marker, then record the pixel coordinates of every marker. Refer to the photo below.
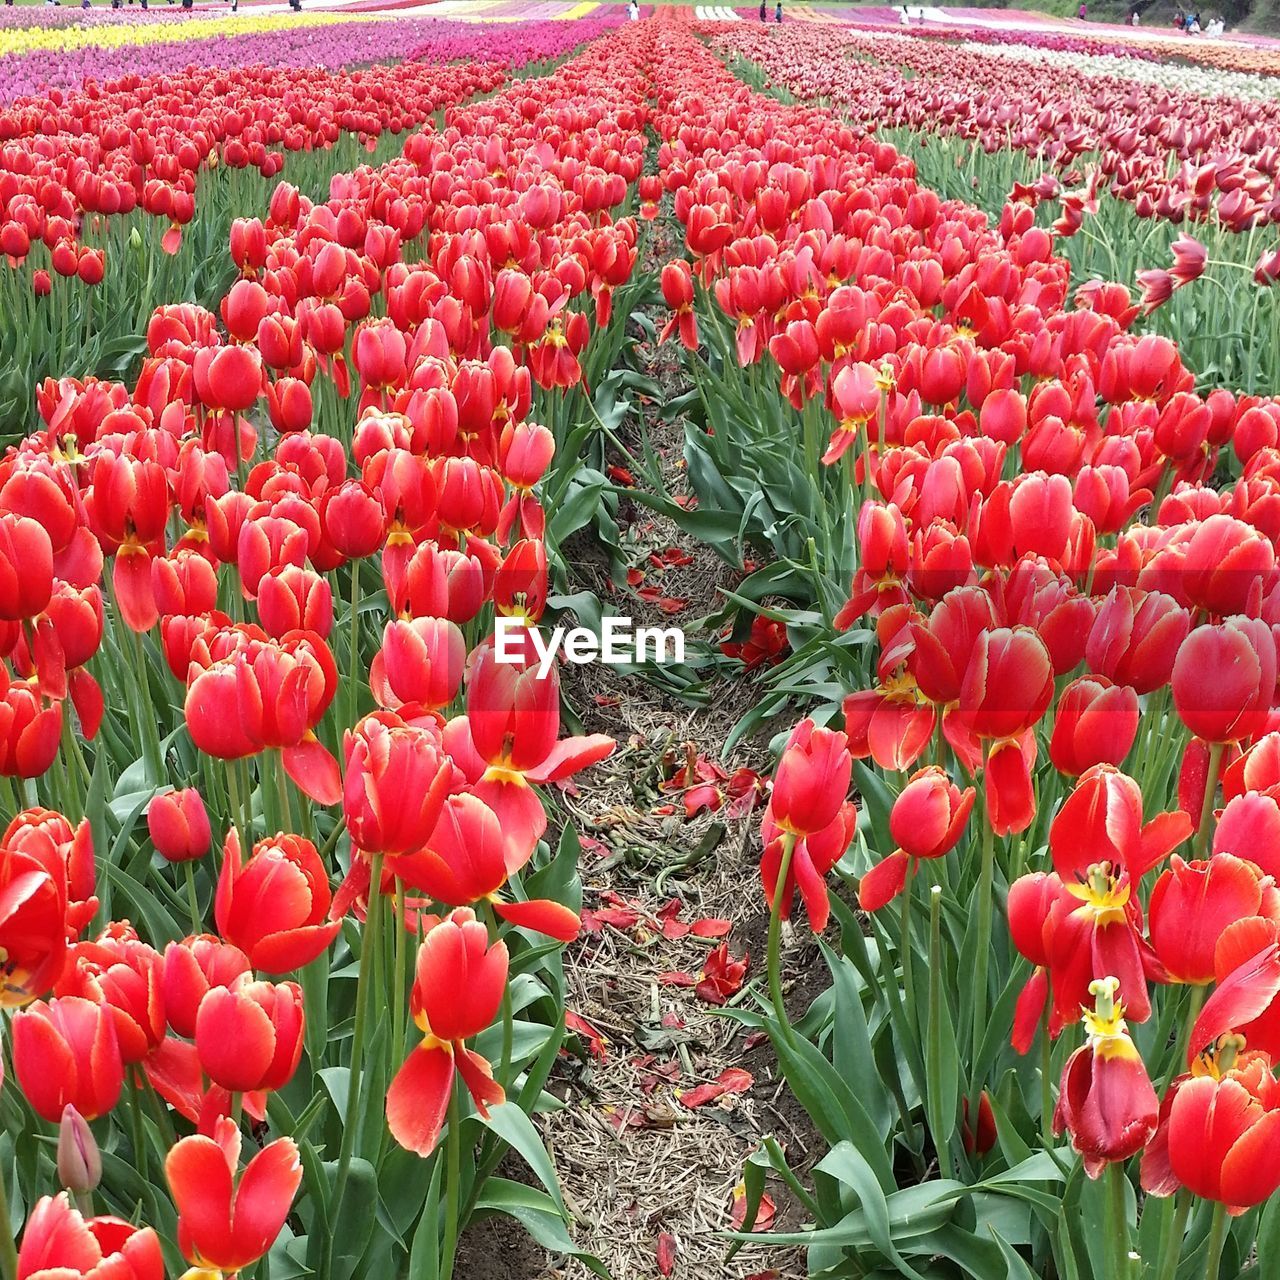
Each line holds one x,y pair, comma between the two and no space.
226,1223
228,378
65,1053
420,662
26,567
386,760
1224,680
29,731
463,863
926,821
811,781
1218,1131
1008,683
1096,723
275,907
117,969
1106,1102
58,1243
249,1034
191,968
458,984
178,825
64,853
1194,902
509,739
1135,638
291,598
33,925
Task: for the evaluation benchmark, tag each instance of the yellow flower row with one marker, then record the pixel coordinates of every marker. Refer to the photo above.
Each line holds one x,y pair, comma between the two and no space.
161,31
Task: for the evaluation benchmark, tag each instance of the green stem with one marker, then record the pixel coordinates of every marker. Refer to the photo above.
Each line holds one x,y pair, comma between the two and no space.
1118,1220
986,890
1046,1079
1217,1238
282,790
353,665
1171,1242
1194,1005
193,902
452,1179
1206,809
774,957
368,949
398,994
233,801
8,1249
904,948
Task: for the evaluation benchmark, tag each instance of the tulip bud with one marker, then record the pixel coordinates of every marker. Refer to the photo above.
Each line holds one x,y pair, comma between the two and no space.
79,1160
179,825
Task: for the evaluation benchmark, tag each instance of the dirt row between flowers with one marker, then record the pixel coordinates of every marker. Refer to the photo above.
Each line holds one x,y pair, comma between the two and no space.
648,1168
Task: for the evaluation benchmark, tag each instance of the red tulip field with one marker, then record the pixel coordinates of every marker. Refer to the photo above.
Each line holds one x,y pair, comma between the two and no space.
637,643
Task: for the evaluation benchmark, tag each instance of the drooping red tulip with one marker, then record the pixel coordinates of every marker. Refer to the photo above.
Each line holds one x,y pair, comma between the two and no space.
1106,1103
926,821
459,979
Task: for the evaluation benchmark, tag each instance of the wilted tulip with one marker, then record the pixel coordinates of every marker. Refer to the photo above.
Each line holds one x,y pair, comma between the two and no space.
1106,1102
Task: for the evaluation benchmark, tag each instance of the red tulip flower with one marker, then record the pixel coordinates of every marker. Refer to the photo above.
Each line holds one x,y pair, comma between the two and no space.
249,1034
26,567
65,1053
1193,903
458,984
226,1223
1224,680
49,838
33,925
58,1243
191,968
420,662
1106,1102
463,863
387,760
508,742
30,731
1008,684
1219,1134
126,975
926,821
178,825
275,907
1096,723
811,781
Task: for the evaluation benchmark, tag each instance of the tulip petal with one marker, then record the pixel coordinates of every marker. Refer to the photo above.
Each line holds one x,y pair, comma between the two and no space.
1240,997
477,1075
1251,1169
314,771
264,1197
570,756
883,882
418,1099
200,1181
131,582
542,916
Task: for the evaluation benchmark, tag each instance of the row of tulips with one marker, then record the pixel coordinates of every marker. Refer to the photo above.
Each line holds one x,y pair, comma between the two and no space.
1067,150
372,977
100,188
1060,632
330,46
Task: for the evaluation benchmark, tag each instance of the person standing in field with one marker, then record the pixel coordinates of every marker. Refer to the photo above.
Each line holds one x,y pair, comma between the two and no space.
777,13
